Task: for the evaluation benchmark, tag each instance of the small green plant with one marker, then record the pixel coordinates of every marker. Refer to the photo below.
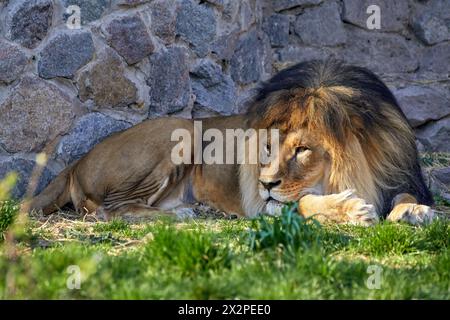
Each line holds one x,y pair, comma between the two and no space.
8,211
8,208
6,185
290,231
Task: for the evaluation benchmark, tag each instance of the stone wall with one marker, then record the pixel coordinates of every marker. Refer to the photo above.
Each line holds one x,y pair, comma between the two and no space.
63,90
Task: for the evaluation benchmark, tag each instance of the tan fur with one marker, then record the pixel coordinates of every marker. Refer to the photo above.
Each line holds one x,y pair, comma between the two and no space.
252,203
132,171
343,207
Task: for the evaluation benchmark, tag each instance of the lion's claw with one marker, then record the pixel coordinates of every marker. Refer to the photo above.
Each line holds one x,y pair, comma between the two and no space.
412,213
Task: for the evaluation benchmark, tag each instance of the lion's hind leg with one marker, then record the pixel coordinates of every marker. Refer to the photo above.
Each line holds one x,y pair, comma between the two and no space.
405,208
132,212
140,199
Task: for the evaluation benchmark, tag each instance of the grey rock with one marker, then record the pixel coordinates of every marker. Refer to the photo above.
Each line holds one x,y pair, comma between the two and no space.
196,23
218,3
280,5
443,175
228,8
163,18
104,82
277,28
24,169
382,53
296,54
245,100
420,147
394,14
12,61
130,38
436,59
247,63
225,45
438,180
65,54
446,196
213,90
432,25
435,136
207,72
431,29
88,131
91,10
132,3
422,104
29,21
35,113
313,29
247,16
169,80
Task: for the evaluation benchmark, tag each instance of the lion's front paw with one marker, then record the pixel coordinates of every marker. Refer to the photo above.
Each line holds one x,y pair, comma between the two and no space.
360,213
351,209
338,199
415,214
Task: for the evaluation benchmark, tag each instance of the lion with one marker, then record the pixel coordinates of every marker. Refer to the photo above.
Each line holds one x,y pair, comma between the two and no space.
346,155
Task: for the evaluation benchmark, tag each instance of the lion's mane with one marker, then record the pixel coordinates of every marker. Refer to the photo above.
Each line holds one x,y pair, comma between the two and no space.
369,139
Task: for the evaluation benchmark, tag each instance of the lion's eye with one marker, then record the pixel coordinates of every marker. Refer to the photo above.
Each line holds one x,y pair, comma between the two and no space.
299,152
301,149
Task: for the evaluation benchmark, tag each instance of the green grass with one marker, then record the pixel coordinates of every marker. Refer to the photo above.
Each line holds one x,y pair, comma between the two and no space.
284,257
8,211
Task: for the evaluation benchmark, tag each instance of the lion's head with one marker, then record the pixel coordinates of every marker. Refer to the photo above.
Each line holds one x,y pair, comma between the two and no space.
298,167
340,128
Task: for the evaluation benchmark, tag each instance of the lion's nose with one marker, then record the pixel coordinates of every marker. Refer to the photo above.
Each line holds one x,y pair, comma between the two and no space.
269,185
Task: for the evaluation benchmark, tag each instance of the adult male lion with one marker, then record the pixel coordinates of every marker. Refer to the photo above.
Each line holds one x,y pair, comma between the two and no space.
347,154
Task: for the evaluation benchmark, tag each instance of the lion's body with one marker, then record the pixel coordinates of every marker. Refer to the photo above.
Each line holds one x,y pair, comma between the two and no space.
357,136
133,170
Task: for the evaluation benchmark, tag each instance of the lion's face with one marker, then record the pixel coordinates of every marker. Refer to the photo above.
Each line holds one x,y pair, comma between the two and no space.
297,168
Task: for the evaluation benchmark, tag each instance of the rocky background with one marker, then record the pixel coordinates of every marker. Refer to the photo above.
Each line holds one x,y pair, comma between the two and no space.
63,90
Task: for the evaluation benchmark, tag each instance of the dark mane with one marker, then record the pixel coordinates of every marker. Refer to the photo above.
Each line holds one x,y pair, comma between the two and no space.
316,74
328,73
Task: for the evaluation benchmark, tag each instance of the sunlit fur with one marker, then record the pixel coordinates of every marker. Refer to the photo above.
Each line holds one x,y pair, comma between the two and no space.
358,122
358,138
